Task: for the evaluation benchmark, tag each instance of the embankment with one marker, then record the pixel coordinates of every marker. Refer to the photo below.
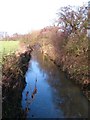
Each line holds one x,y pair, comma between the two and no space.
74,66
13,83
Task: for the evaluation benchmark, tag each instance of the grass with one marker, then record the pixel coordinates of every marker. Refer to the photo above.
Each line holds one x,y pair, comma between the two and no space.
7,47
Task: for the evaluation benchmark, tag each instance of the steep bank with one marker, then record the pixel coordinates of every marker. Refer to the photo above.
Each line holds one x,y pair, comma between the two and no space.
13,83
74,65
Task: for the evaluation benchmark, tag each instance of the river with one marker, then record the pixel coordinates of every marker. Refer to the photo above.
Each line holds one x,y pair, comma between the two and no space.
48,94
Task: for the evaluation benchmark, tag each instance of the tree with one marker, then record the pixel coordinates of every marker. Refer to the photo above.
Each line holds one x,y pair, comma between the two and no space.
72,20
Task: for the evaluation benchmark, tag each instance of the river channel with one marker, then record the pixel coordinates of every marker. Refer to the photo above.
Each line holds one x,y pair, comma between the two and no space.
48,94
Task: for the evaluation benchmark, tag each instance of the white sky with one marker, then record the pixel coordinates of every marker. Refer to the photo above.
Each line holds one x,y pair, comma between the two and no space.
22,16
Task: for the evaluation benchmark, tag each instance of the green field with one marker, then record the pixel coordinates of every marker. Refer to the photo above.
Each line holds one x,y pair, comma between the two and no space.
8,47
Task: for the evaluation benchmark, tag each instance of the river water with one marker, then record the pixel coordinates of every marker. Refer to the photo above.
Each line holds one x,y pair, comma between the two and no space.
48,94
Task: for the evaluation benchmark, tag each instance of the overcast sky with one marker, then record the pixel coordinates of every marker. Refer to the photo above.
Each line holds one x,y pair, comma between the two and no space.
23,16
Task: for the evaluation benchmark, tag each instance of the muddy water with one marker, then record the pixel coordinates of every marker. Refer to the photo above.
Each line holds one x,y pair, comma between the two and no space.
48,94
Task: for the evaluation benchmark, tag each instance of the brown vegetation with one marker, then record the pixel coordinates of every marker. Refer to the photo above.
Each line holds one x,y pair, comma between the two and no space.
13,82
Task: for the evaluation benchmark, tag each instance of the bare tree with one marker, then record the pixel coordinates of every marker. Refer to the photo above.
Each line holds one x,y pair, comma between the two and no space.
72,20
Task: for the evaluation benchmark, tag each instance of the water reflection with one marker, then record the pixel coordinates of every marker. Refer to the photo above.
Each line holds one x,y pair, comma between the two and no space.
48,94
30,97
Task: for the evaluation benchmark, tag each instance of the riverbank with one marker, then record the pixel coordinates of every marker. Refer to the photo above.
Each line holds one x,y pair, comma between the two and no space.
13,83
68,64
